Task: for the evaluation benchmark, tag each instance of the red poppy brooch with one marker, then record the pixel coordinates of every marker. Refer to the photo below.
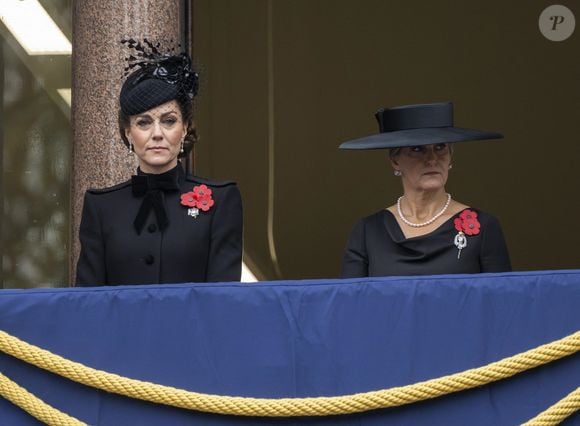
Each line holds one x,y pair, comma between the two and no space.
196,200
466,224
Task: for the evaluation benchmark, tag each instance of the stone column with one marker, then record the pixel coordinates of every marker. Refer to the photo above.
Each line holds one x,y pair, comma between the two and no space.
99,157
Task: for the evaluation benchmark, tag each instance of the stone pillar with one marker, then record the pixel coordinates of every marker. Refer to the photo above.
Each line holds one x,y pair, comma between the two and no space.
99,157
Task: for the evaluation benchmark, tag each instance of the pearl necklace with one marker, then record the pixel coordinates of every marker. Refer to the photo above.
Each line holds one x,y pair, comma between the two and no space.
430,221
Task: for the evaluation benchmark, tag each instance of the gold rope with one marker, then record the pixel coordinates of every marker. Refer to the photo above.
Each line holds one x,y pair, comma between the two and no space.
288,407
33,405
558,412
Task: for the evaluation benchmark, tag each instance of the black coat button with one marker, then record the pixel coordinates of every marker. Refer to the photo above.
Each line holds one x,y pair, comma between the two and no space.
149,259
152,228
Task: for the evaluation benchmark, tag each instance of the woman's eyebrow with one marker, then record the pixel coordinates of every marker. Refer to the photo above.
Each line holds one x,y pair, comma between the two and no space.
142,116
168,112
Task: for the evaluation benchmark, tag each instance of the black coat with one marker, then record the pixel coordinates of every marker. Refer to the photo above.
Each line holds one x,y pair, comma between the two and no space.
206,248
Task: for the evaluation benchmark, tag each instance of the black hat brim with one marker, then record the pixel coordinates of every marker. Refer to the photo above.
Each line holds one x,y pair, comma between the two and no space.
416,137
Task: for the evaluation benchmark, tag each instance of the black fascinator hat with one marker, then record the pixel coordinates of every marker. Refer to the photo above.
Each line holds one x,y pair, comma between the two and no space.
155,78
420,124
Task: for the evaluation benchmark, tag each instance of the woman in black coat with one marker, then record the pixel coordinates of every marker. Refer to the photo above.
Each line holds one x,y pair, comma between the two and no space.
426,232
162,226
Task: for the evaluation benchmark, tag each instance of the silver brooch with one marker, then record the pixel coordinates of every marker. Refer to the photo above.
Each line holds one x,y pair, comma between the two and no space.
193,212
460,242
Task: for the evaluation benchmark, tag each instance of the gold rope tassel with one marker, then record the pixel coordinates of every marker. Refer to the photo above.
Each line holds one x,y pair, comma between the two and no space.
558,412
288,407
34,406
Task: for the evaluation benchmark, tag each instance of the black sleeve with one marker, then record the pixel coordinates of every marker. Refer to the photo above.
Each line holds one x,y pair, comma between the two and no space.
355,262
494,255
225,253
91,268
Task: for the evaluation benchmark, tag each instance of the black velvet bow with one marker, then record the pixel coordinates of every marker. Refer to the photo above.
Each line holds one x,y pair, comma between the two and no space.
153,188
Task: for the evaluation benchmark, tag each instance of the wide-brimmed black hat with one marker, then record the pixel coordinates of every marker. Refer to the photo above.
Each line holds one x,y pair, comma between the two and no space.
413,125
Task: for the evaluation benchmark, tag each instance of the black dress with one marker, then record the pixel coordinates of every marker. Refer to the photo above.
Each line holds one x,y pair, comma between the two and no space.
378,247
201,247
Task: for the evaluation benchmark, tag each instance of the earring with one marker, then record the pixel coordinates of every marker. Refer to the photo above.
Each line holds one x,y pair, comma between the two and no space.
450,166
130,148
182,143
397,173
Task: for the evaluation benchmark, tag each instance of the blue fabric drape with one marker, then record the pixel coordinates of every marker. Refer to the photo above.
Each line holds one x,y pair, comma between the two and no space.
300,338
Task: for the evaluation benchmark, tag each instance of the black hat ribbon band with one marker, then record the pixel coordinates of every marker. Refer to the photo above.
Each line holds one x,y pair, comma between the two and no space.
415,117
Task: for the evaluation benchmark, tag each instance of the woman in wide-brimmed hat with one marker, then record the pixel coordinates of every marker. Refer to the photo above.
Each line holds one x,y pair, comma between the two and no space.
426,231
162,225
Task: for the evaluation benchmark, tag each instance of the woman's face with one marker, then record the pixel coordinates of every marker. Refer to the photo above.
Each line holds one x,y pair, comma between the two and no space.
423,168
156,136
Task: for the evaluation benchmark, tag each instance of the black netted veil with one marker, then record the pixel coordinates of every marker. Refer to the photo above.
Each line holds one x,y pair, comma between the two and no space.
155,78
